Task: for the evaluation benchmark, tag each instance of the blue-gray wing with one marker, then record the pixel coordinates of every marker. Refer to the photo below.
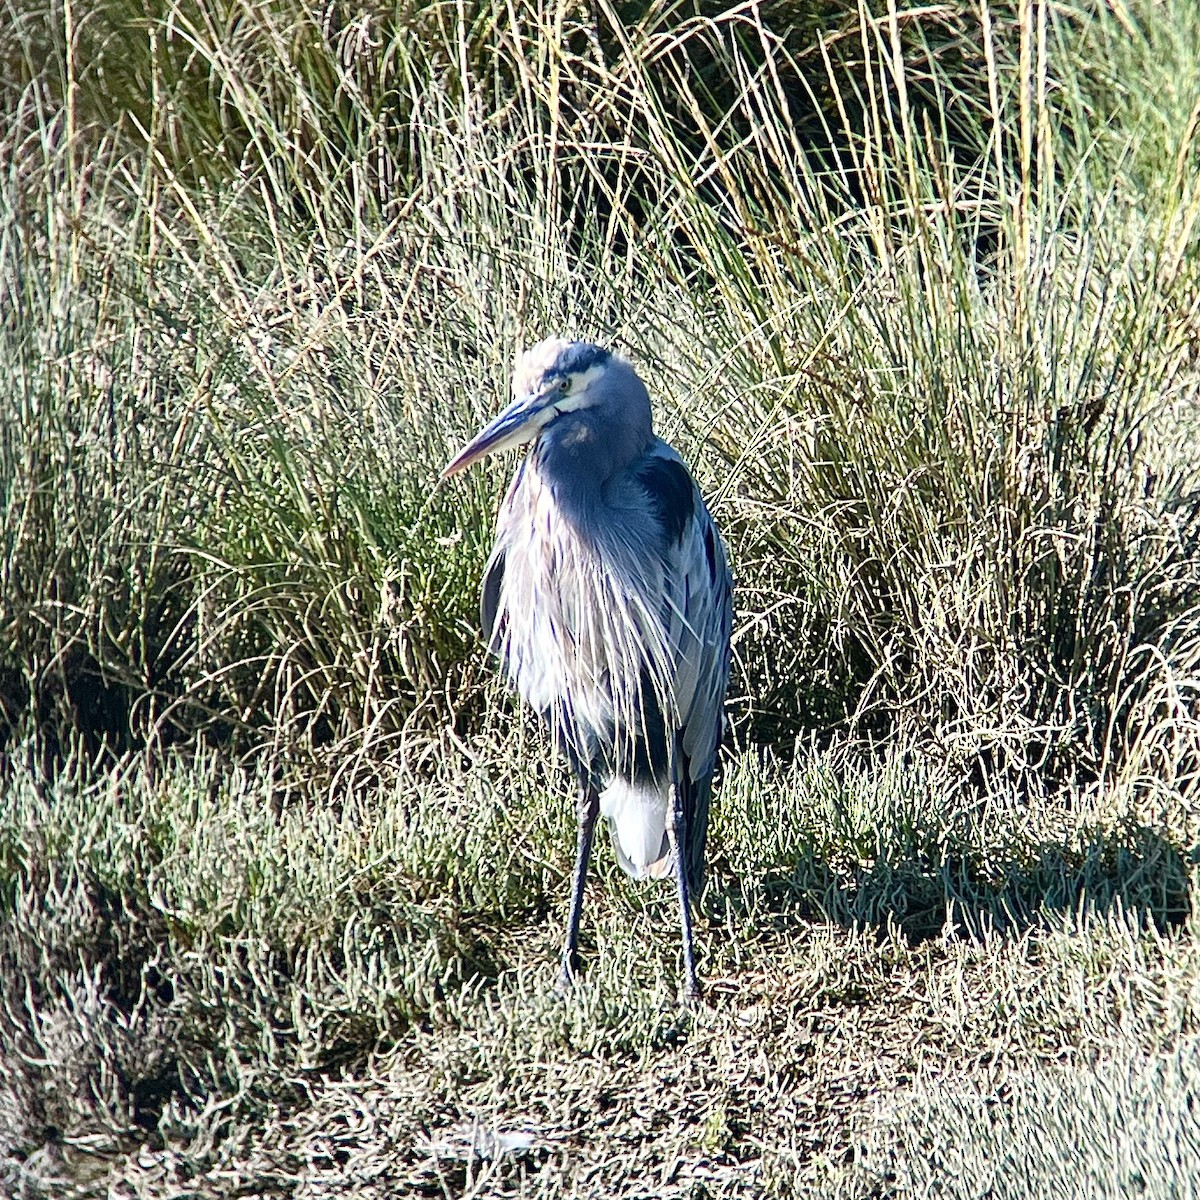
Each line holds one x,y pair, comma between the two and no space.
489,597
697,616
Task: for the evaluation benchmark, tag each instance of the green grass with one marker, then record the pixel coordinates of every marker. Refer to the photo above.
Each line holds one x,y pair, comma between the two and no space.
283,872
202,972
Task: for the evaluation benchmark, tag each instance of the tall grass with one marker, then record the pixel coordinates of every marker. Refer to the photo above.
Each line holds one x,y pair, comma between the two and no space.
934,349
915,292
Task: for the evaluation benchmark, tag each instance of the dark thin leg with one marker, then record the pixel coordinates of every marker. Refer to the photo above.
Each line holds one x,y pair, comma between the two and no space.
589,808
677,835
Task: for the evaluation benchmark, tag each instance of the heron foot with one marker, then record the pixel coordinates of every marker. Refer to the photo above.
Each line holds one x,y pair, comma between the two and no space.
568,980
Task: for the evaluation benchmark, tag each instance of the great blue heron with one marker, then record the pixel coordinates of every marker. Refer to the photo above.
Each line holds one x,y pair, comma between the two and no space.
607,600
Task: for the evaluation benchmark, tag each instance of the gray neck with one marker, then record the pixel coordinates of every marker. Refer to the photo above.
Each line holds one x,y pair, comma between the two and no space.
581,453
575,455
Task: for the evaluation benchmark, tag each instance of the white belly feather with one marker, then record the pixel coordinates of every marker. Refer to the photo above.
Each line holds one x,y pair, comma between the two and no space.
578,640
638,817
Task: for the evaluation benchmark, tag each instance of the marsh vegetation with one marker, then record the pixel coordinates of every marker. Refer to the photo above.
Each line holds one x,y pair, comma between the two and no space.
282,870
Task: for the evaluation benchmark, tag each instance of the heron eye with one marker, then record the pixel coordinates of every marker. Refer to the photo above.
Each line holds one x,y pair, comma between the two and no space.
564,384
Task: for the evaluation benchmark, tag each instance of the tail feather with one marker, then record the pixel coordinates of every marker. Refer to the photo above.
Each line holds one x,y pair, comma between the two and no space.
697,793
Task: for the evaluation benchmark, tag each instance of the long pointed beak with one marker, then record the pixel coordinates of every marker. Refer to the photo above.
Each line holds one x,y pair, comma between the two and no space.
520,422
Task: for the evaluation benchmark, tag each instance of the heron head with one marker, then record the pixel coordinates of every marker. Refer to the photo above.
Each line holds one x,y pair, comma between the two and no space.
551,380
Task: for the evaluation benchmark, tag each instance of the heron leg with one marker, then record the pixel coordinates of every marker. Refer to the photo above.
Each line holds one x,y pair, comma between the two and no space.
588,810
677,836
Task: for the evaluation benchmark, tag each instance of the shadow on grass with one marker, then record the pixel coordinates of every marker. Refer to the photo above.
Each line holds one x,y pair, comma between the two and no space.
1135,870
